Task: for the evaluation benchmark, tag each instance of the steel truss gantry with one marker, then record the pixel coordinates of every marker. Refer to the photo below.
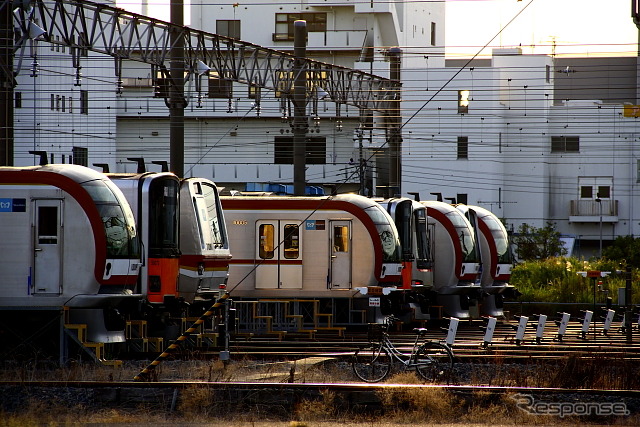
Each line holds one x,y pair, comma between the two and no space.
172,49
84,25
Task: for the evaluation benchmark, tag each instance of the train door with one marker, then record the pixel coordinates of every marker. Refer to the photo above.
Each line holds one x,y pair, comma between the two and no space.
340,255
47,265
278,255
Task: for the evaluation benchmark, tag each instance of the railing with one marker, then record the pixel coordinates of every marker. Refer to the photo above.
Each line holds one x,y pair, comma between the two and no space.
592,208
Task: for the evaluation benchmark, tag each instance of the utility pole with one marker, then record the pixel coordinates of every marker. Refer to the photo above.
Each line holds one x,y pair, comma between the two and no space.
394,123
6,86
176,90
300,120
628,307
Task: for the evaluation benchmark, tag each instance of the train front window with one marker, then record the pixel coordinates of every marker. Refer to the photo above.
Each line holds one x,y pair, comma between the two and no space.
117,219
500,236
423,257
214,209
403,224
466,236
163,217
391,251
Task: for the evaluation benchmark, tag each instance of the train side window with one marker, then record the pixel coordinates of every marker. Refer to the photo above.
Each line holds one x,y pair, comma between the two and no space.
340,238
291,241
48,225
266,241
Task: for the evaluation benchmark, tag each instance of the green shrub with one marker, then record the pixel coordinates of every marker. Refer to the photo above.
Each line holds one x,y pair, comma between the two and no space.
557,279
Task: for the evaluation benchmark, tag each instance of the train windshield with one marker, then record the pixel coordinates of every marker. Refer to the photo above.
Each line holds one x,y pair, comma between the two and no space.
391,251
466,236
214,215
403,224
500,236
423,257
163,217
117,218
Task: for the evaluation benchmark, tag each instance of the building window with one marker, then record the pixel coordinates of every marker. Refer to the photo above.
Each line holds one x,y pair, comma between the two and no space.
315,151
316,23
433,34
586,192
220,88
548,74
17,100
80,156
463,101
595,187
463,147
228,27
84,102
53,102
565,144
604,192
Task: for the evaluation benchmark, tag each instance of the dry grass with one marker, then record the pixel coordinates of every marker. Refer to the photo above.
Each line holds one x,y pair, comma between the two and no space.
391,406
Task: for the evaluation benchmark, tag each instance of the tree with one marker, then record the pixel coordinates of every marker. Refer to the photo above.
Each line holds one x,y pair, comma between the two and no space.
624,248
538,243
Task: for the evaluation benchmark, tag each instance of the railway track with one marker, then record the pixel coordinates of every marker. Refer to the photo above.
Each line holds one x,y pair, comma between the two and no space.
469,344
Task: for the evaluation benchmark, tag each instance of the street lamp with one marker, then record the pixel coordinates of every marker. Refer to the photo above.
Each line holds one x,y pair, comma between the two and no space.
599,200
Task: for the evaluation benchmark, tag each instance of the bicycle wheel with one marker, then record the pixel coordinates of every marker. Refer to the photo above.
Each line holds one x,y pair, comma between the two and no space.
434,362
372,363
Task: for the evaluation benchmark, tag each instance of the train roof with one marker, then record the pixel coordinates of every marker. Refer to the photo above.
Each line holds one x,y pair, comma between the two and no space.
75,172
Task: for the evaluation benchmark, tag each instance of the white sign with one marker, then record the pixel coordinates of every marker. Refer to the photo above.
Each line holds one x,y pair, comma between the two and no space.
374,302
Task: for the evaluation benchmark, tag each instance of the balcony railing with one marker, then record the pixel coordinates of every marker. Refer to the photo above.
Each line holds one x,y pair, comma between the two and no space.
592,209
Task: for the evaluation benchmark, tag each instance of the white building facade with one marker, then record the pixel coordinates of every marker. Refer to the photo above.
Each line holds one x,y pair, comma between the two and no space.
495,133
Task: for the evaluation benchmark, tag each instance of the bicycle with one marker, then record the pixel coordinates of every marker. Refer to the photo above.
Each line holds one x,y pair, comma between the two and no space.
432,360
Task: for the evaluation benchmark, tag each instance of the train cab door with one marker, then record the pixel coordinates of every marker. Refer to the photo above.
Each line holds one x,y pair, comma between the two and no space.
341,255
47,265
278,255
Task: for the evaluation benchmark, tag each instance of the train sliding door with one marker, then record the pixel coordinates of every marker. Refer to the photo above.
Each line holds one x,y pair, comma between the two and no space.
47,270
340,255
278,255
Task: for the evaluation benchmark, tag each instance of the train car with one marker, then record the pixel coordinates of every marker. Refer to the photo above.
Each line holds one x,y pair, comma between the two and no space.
331,250
204,243
68,240
496,257
410,218
456,260
154,199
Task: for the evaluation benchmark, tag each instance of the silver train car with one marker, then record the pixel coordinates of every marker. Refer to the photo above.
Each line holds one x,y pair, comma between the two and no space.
69,241
343,251
456,260
204,243
410,218
496,257
154,199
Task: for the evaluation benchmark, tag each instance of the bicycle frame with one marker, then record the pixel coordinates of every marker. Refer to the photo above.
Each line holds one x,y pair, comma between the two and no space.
401,357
